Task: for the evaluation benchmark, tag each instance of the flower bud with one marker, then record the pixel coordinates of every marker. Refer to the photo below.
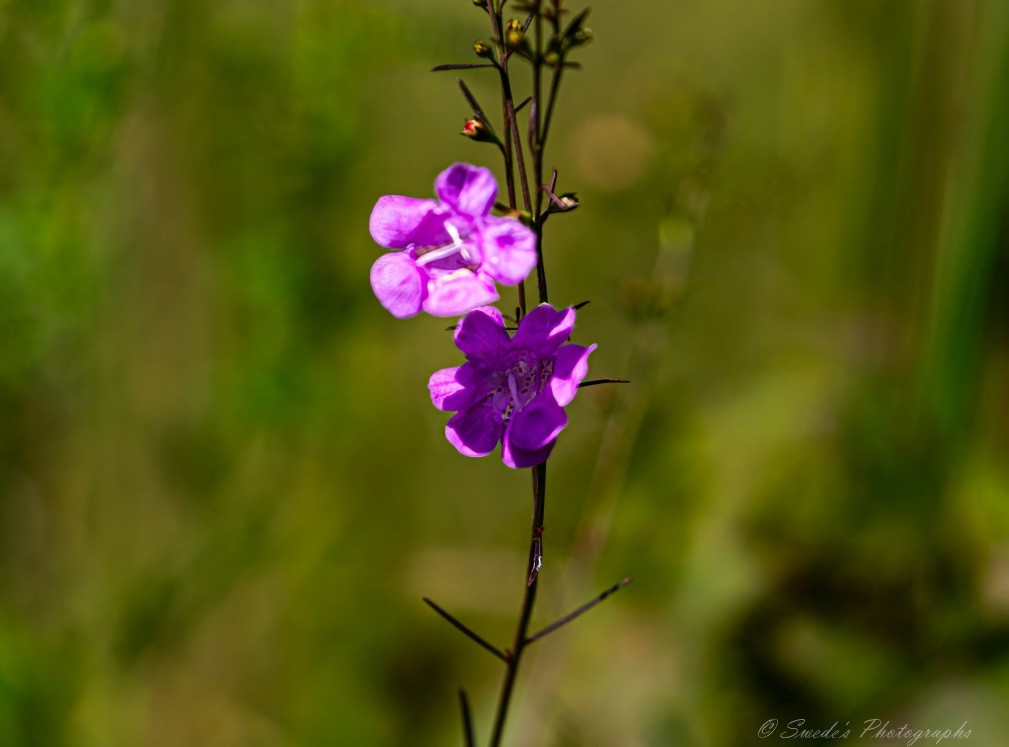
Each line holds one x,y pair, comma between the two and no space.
563,203
514,36
483,49
569,201
577,33
473,128
476,130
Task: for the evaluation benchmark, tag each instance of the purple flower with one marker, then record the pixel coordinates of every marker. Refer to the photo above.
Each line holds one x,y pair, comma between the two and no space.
452,249
511,390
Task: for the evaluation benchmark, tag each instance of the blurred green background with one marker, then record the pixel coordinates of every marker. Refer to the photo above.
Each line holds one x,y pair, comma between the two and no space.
223,489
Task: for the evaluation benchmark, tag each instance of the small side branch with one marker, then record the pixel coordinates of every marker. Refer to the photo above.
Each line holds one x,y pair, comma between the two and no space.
595,382
467,719
461,66
580,611
467,631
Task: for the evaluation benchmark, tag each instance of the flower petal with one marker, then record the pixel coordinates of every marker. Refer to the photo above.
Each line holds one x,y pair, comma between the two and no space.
481,334
399,284
458,292
470,190
570,367
518,458
454,388
538,423
509,250
544,329
474,432
397,222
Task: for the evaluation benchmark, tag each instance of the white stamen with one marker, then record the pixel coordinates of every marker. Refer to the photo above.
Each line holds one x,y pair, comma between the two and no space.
513,388
445,251
454,233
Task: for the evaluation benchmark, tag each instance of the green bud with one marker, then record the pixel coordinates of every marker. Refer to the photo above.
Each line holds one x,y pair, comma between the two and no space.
577,33
515,37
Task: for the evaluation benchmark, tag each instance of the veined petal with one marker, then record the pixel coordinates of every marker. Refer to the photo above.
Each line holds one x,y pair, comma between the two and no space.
458,292
475,432
454,388
570,367
470,190
518,458
397,222
481,334
509,250
399,284
544,329
538,423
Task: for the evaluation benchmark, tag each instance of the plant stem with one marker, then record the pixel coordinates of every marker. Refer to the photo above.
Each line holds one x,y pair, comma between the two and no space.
529,599
539,472
508,113
542,132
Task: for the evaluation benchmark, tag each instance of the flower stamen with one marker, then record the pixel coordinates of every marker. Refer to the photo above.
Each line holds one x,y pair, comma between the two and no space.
513,388
426,255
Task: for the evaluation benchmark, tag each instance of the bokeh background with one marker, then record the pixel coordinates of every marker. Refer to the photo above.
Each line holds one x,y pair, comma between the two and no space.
223,489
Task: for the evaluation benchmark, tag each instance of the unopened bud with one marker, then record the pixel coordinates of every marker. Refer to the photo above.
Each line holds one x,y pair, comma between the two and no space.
473,128
476,130
483,49
577,33
514,36
563,203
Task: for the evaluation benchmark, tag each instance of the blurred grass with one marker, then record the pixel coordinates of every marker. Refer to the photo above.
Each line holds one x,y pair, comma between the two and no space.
223,489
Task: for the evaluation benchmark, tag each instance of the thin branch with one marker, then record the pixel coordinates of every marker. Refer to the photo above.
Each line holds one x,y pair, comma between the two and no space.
466,631
467,719
538,135
517,142
575,613
594,382
531,135
461,66
495,23
525,101
555,84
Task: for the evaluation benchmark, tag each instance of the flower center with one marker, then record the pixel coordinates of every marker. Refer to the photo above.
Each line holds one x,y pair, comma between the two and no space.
428,254
520,383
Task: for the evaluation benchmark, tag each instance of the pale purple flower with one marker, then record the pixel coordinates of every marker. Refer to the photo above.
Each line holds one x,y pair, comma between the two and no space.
511,390
451,249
